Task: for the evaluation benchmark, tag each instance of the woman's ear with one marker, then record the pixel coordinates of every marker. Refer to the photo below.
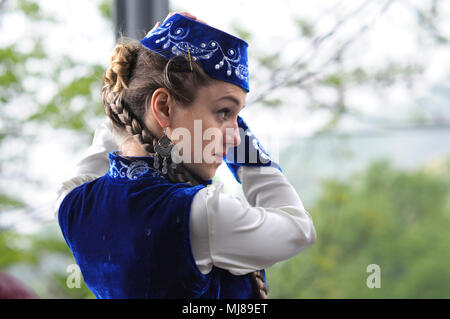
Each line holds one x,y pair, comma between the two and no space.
160,106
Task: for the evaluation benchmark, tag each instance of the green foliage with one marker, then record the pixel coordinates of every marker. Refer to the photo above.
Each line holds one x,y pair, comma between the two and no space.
11,252
62,110
333,80
273,102
305,27
396,219
30,8
7,202
271,61
32,252
241,32
13,71
61,113
105,8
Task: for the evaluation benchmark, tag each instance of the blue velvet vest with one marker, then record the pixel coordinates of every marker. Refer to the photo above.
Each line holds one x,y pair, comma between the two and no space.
129,233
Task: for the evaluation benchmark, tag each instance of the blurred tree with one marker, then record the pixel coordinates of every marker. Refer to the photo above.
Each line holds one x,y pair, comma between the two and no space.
34,255
396,219
326,71
59,111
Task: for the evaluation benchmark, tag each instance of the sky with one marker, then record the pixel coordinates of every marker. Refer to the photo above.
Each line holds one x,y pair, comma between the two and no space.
84,35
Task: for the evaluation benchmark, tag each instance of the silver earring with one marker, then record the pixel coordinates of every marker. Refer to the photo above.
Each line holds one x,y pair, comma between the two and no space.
163,149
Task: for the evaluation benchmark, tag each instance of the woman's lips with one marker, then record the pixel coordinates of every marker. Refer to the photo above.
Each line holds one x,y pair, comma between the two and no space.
219,158
221,155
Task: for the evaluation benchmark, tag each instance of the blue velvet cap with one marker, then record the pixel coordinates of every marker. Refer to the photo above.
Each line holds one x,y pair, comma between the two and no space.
222,56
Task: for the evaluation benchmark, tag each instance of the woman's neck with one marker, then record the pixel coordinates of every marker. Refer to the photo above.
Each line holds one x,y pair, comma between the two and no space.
130,147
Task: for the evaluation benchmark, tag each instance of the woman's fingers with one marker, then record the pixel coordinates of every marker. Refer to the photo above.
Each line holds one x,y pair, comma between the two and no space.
156,25
186,14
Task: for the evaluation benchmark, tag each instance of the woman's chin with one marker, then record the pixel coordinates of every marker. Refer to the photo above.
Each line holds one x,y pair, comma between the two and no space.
209,172
204,171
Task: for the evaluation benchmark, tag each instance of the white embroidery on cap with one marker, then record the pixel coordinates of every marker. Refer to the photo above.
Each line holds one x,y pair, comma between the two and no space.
203,51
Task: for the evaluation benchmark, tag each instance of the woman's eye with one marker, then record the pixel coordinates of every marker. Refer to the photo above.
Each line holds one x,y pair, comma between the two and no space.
223,112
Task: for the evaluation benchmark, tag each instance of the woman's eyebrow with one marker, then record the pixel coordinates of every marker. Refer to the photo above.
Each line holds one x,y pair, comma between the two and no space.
231,98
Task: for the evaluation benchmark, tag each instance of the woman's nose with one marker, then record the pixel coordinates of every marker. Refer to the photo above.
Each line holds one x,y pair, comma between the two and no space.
237,136
233,137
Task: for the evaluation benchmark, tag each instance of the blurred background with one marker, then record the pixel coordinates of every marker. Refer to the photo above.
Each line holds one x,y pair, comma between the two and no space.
352,98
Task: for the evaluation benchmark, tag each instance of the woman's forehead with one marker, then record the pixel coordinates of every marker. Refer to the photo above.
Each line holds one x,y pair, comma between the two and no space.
220,90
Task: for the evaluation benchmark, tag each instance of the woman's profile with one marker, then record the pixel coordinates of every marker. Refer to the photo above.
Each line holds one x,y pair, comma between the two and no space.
143,217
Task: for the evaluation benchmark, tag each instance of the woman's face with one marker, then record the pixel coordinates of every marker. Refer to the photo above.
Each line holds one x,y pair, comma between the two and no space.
205,130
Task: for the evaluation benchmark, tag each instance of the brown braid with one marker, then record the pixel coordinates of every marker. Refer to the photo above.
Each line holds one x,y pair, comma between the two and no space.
132,77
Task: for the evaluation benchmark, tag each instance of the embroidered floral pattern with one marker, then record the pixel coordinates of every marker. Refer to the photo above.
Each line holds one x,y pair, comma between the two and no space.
132,170
175,38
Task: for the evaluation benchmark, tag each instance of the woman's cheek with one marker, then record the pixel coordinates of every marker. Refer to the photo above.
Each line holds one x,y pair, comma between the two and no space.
212,144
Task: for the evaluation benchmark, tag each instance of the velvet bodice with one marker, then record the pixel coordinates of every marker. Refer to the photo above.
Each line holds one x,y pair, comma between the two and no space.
129,233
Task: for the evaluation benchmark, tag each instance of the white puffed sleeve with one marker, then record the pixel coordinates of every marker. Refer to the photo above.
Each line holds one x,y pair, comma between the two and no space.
95,161
228,232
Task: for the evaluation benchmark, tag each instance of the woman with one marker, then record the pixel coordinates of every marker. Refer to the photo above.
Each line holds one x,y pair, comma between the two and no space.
154,225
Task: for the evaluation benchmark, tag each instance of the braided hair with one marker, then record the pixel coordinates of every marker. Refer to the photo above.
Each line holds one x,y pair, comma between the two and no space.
134,73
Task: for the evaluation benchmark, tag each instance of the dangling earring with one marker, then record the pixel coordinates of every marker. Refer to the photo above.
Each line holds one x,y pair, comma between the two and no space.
163,148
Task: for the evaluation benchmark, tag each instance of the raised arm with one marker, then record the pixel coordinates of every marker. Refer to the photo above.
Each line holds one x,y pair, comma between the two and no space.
243,237
247,236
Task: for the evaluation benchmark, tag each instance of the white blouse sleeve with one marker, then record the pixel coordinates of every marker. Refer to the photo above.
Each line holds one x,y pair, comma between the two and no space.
228,232
95,162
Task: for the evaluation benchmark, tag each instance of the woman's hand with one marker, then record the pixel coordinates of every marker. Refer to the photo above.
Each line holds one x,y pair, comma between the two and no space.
186,14
248,153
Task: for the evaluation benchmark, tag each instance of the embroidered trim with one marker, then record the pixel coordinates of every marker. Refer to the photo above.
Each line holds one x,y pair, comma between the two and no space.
204,51
119,169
